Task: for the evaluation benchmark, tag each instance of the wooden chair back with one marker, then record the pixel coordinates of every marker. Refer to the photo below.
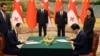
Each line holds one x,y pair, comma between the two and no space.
95,43
1,44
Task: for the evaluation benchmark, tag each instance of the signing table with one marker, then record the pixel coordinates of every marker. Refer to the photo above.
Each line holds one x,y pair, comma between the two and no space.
56,49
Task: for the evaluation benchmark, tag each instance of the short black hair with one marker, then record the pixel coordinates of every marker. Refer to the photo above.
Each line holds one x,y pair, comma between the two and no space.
2,4
75,26
18,24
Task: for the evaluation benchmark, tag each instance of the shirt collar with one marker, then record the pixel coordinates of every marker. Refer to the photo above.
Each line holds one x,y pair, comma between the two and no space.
42,9
15,30
2,12
78,32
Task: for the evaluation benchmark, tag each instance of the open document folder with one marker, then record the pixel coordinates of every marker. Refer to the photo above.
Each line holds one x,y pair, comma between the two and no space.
62,40
32,42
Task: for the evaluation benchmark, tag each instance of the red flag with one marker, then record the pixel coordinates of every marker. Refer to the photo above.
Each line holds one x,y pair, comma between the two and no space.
46,6
31,14
85,5
57,6
72,12
17,13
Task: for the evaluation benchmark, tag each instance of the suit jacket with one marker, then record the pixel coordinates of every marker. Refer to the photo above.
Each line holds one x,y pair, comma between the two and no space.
81,44
11,43
61,20
4,25
89,26
42,17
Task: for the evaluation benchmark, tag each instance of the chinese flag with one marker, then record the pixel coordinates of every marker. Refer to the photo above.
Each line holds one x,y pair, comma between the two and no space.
31,14
72,12
17,13
46,7
85,5
57,6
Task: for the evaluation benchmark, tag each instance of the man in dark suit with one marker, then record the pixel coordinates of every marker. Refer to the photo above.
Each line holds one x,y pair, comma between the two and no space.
80,42
61,21
42,20
11,41
5,24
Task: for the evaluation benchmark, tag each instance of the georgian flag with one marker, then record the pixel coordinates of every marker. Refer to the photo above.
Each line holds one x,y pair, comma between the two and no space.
17,13
72,13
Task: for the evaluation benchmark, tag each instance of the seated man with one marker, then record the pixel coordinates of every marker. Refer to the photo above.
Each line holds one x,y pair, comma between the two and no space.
80,42
11,41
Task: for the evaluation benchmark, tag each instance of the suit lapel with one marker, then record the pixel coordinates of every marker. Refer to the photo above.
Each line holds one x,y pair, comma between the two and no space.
16,34
3,16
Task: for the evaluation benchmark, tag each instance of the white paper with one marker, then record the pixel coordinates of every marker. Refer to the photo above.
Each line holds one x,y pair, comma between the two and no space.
32,42
62,40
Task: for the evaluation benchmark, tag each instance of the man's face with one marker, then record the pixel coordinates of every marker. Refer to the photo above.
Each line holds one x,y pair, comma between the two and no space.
41,6
61,8
18,29
4,8
74,31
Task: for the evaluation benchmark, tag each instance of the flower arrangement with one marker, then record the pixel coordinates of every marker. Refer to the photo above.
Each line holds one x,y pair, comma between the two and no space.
48,39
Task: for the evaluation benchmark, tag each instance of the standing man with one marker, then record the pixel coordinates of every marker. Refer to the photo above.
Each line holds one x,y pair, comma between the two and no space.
61,21
42,20
5,24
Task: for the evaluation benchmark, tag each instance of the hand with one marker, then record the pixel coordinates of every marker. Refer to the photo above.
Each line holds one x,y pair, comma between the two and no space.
68,39
23,42
71,42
